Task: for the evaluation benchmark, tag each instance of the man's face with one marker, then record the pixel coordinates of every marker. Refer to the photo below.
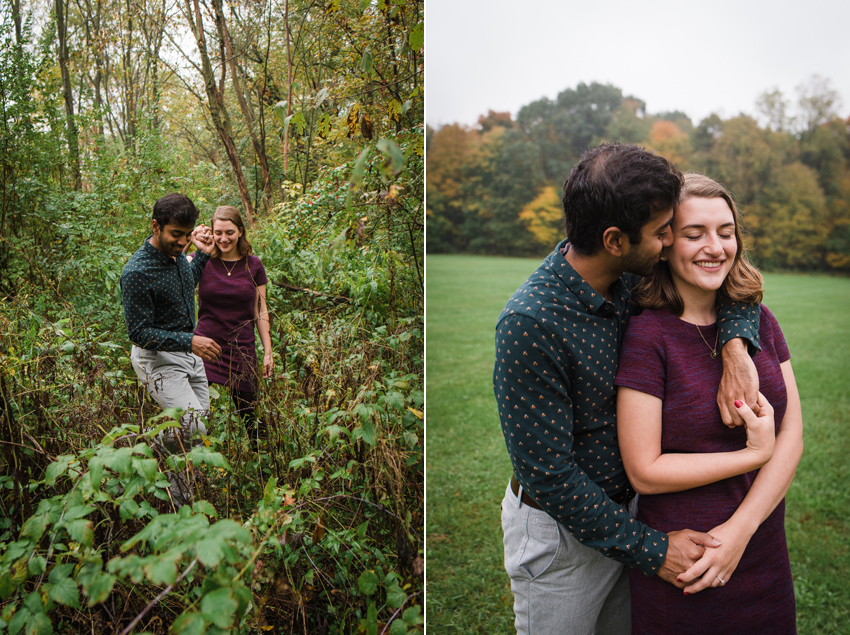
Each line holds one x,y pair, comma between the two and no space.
171,239
655,236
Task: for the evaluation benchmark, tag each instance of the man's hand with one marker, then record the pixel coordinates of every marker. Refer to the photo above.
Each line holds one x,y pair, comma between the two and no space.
716,567
684,549
205,348
740,381
203,239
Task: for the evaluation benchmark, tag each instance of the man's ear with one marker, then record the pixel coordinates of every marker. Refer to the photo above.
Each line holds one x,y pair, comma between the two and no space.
612,241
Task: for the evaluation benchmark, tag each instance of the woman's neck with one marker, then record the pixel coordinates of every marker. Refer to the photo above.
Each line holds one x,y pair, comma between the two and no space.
700,306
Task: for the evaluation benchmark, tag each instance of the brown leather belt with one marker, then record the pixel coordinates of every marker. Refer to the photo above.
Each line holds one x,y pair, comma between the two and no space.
621,498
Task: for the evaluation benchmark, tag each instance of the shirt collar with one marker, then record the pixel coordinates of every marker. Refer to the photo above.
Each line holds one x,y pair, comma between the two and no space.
594,301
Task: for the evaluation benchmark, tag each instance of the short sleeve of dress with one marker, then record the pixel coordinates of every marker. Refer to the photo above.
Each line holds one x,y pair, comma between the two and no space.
258,271
642,358
770,324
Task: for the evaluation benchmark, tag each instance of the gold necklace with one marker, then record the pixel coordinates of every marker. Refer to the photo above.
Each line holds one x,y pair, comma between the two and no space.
713,350
229,271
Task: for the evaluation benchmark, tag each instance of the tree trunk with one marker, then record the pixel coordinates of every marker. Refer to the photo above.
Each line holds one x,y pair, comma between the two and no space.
218,110
259,147
72,134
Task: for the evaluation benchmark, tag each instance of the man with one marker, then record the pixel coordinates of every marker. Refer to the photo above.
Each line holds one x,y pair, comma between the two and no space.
158,290
568,532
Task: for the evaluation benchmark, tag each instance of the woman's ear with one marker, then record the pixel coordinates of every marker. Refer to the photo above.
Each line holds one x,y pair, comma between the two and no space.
612,241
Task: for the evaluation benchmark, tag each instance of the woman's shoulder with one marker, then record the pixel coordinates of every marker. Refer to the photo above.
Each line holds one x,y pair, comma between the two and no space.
768,324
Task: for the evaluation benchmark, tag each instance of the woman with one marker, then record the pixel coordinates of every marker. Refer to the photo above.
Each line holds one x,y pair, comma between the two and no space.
691,470
231,301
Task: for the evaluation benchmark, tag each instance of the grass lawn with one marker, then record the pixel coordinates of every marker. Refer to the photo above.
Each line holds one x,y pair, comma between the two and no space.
467,467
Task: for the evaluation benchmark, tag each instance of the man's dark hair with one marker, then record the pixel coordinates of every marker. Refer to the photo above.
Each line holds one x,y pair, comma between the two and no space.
616,185
176,209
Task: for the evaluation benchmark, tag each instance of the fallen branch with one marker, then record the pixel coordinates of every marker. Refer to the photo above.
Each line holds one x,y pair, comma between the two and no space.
338,298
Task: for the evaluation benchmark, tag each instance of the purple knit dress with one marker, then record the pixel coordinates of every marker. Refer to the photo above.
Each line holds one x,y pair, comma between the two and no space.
226,315
664,356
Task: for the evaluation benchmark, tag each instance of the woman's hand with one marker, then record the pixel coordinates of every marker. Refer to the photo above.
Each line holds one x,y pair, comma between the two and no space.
761,430
268,364
716,567
202,238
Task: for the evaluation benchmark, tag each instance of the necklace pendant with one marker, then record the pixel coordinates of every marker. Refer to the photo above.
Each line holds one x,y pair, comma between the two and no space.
713,354
228,275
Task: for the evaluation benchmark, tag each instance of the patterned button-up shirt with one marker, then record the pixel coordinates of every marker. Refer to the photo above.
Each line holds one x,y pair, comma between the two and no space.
557,351
159,298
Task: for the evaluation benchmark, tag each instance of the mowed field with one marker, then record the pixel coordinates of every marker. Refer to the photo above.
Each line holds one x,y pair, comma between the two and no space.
468,469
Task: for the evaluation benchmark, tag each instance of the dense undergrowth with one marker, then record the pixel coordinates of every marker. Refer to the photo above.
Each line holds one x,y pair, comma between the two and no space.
320,529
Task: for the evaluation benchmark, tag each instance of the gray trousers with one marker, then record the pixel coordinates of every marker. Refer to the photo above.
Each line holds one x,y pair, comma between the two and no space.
560,586
175,380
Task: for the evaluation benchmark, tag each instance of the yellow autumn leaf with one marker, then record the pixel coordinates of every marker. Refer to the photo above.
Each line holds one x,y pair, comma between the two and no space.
417,413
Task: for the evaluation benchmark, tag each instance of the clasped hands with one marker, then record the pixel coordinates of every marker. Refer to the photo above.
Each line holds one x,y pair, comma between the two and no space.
202,238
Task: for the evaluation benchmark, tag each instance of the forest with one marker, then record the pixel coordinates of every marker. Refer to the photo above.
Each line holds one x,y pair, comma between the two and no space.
309,118
495,188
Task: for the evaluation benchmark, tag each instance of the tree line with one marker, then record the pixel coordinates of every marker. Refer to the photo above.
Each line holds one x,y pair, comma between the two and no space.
495,188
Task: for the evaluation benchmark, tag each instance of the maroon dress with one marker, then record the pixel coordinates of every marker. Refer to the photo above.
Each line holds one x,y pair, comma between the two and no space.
226,315
664,356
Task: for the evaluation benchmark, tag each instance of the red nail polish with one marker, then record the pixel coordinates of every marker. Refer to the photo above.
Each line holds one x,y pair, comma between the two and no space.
678,579
686,593
738,403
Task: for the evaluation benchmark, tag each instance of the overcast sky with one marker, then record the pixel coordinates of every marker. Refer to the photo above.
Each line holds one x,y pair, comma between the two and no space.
696,57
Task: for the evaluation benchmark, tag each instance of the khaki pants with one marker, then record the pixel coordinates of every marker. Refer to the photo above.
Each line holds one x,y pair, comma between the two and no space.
175,380
560,586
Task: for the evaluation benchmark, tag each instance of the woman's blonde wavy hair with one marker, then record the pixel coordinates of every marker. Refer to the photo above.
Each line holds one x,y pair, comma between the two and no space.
744,283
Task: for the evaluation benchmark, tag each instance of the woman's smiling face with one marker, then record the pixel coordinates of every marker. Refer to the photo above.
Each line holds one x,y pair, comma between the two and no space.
704,245
226,236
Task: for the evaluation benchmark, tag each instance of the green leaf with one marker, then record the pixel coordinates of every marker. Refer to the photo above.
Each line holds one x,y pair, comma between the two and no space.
77,511
81,531
202,454
366,62
416,39
57,468
394,400
280,115
59,572
360,167
394,155
147,468
161,570
65,591
189,624
269,490
20,619
413,616
219,606
368,582
37,564
100,588
209,552
205,507
395,595
95,472
398,628
366,432
128,509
